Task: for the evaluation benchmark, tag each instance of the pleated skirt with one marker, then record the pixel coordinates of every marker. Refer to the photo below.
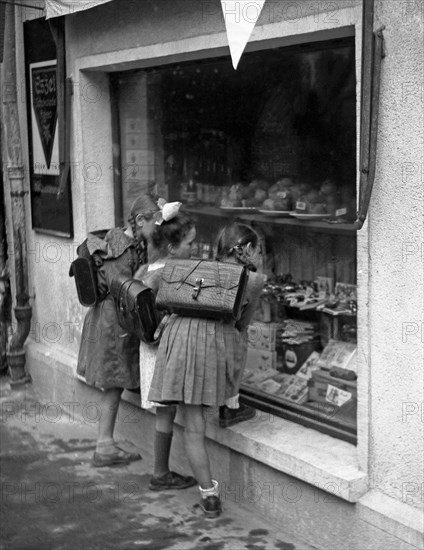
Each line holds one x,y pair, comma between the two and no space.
198,362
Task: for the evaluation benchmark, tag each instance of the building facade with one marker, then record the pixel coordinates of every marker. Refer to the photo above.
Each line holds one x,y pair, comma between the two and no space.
358,492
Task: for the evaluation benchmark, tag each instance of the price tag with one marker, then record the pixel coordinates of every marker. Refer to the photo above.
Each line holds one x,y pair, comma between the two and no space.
341,211
300,205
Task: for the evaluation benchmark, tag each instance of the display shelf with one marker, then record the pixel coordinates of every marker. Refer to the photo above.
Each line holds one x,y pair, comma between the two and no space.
321,226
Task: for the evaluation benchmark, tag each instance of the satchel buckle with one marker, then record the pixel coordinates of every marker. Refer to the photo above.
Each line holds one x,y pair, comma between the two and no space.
196,289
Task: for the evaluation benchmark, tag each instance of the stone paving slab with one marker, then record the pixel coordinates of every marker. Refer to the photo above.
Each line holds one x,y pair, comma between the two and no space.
52,498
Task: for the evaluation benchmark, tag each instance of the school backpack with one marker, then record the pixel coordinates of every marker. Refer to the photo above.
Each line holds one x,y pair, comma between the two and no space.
135,307
134,301
84,271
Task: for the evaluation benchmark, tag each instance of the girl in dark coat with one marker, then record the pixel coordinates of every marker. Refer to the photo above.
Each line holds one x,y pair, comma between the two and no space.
109,357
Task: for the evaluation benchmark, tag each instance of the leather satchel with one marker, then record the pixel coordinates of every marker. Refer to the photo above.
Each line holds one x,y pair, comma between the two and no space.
135,306
203,288
84,271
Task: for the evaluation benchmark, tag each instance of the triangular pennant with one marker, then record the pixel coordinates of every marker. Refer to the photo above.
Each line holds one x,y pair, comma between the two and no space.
240,19
44,100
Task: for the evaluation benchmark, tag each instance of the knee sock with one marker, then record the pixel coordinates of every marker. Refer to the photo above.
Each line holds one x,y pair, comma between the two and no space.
105,446
162,451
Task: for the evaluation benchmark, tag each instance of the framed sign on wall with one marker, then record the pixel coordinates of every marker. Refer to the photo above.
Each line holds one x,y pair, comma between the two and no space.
45,148
51,211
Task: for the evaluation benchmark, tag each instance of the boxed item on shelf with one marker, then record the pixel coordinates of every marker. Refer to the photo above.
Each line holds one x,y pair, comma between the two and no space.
295,354
309,366
263,335
256,377
297,329
338,354
258,359
269,386
285,386
328,389
296,391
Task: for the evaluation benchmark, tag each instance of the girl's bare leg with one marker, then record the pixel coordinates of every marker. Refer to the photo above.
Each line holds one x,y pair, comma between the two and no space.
109,404
194,439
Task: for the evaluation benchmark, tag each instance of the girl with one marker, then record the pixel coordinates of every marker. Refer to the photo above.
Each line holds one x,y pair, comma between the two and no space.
109,357
200,361
172,237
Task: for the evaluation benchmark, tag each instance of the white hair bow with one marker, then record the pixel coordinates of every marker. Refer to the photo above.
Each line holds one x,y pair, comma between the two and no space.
167,211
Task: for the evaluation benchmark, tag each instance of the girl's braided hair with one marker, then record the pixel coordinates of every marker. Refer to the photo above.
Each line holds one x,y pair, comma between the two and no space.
145,207
233,239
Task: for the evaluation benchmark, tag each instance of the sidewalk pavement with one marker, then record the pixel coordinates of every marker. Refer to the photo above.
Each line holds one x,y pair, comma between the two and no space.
52,498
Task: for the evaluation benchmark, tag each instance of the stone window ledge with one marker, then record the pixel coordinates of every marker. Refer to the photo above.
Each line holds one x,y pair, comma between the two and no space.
318,459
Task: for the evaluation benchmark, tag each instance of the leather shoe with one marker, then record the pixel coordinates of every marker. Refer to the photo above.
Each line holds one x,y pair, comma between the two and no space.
228,417
211,506
171,480
101,460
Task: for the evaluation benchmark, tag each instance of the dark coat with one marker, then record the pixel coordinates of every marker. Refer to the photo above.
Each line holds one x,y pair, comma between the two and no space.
108,356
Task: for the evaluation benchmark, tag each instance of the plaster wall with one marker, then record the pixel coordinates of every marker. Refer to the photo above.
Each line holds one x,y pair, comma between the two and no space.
396,262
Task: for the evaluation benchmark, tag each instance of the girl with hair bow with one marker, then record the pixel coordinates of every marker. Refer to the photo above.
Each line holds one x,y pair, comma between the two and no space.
167,211
172,235
200,362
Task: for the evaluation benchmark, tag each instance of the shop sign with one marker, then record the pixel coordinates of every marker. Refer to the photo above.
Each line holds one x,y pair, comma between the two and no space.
44,105
50,213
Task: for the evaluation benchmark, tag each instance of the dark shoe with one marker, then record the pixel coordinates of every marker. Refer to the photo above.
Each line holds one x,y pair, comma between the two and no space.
171,480
228,417
101,460
211,506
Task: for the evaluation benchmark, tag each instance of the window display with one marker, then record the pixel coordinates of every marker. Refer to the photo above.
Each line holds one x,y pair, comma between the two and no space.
274,144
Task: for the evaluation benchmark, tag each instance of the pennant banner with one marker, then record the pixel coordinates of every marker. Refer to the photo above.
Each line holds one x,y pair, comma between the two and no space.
44,104
45,144
240,20
56,8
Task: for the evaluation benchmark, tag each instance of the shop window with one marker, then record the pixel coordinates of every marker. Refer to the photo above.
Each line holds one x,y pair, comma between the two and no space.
273,144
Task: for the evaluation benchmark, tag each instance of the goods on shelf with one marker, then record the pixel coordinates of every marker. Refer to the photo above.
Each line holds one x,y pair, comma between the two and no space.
298,341
338,354
328,377
328,389
309,366
286,195
263,336
310,295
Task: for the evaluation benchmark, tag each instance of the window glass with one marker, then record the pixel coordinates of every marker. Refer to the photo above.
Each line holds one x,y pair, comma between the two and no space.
274,144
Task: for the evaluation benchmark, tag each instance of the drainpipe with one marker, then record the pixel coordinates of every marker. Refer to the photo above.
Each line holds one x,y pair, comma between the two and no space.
373,52
16,176
5,301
